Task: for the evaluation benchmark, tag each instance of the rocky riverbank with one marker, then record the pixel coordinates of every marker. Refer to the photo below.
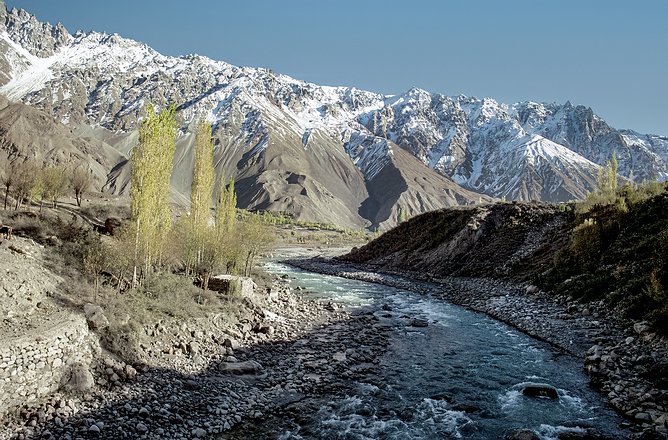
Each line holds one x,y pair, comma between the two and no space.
624,360
216,383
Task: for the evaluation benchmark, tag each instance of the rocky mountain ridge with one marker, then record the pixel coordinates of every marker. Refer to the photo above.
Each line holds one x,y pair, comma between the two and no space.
270,127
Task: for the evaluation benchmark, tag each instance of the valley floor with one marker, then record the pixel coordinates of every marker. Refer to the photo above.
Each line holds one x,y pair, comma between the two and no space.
275,366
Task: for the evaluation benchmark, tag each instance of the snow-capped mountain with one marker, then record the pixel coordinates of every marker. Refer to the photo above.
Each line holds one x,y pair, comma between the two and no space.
322,152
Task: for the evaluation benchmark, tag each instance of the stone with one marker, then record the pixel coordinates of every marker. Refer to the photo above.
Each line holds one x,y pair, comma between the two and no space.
80,378
532,290
339,356
193,347
232,285
522,434
643,417
199,432
142,428
540,390
130,371
95,317
143,412
240,368
418,323
641,327
94,429
266,329
232,343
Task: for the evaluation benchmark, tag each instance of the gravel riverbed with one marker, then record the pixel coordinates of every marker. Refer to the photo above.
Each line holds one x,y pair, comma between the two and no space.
219,385
625,360
272,371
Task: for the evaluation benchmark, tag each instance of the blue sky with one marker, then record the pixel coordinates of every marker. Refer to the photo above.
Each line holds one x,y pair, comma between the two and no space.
609,55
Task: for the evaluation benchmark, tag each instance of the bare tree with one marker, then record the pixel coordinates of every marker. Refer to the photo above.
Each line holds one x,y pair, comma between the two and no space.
26,173
55,183
8,176
81,181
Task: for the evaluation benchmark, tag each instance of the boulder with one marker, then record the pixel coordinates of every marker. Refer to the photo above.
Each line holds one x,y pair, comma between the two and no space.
418,323
522,434
79,379
532,290
240,368
231,343
540,390
641,327
232,285
95,317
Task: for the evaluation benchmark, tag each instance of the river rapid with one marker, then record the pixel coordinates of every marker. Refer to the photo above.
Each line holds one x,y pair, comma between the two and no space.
446,372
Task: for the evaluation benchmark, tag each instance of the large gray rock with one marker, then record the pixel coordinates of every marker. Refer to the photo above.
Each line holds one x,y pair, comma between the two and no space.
79,379
240,368
95,317
232,285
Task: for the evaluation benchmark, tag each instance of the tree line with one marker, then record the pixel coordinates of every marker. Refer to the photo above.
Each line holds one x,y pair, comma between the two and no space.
202,242
30,182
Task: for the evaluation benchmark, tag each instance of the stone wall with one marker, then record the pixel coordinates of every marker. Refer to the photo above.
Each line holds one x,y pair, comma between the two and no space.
36,364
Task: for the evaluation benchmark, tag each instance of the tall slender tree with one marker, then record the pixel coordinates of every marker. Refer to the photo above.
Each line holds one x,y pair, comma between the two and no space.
151,172
201,194
8,177
226,206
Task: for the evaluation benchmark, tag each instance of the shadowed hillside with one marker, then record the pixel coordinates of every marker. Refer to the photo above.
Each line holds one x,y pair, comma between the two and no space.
615,250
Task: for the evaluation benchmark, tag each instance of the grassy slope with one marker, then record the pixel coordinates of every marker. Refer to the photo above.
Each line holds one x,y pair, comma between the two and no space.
618,255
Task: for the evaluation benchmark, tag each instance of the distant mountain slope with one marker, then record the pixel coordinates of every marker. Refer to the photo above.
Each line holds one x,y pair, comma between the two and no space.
29,133
269,127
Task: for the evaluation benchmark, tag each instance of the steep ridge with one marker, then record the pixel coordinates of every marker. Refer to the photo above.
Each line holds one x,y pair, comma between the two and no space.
501,239
527,151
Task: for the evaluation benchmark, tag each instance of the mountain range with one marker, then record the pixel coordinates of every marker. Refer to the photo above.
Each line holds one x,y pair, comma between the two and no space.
335,154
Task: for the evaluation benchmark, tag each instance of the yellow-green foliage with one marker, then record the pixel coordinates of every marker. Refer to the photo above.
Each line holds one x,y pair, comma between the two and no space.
200,195
586,241
151,171
226,206
618,251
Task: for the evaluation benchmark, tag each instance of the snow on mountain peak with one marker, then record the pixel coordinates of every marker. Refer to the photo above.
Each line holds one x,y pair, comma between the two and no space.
487,146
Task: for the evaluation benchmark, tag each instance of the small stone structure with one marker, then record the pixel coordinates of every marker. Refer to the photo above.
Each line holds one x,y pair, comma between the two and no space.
36,364
232,285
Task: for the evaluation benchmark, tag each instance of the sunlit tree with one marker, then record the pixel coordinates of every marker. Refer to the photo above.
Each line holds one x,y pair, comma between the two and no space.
151,172
200,195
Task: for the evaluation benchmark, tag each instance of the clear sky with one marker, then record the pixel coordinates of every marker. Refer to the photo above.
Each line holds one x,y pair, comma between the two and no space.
606,54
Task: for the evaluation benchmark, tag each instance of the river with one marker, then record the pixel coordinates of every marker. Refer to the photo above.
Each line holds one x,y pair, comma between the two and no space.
461,376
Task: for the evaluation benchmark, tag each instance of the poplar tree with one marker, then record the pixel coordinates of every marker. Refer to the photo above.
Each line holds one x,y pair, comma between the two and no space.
201,194
226,206
151,172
